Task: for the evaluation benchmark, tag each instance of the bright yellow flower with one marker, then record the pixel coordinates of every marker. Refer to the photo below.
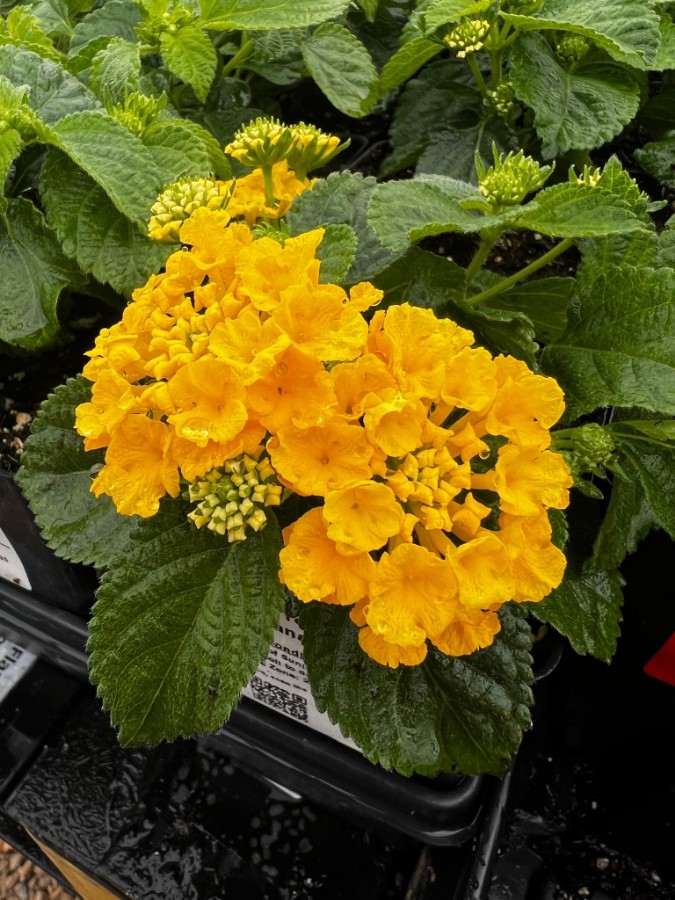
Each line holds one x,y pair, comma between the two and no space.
297,391
483,573
209,399
248,345
139,471
470,630
394,425
195,461
321,459
266,269
388,654
355,380
248,195
537,565
470,381
528,480
362,517
313,569
112,399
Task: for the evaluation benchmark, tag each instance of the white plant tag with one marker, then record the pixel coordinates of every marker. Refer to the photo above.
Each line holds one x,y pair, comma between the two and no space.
11,566
15,661
281,683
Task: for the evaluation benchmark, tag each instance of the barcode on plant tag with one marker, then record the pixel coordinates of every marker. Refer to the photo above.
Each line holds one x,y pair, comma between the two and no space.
11,566
15,661
281,683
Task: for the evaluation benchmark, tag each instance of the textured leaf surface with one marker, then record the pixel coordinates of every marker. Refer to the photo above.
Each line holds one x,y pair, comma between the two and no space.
462,714
406,61
654,467
342,68
627,29
11,143
114,158
342,199
658,159
180,625
452,151
33,272
55,476
115,18
192,58
269,15
576,109
627,520
116,69
102,240
441,12
619,345
180,147
543,301
336,252
586,608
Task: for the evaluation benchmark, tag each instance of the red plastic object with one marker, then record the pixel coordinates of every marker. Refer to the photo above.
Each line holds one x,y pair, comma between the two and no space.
662,664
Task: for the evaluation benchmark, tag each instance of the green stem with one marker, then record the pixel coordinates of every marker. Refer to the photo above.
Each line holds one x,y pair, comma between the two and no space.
488,239
523,273
476,72
269,186
242,54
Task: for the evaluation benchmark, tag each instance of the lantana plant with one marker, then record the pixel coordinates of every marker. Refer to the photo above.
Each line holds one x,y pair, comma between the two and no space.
305,412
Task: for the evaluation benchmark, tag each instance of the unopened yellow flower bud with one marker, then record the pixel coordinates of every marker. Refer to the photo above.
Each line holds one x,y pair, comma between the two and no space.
467,37
312,148
510,179
261,143
178,202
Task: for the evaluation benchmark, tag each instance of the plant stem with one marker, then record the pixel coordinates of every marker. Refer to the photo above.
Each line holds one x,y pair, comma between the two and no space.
476,72
269,186
242,53
488,238
523,273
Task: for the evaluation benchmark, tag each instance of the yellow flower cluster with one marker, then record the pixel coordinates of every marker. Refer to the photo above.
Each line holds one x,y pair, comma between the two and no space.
428,459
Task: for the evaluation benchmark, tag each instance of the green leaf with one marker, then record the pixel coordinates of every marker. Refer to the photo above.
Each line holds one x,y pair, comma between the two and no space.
336,252
342,68
342,199
658,159
180,147
452,151
268,15
654,467
406,61
11,144
627,520
33,272
423,279
463,714
191,57
55,476
180,625
53,92
370,8
116,70
640,248
544,302
53,16
586,608
114,18
442,12
433,103
23,29
619,345
577,109
626,29
665,54
116,159
501,330
92,231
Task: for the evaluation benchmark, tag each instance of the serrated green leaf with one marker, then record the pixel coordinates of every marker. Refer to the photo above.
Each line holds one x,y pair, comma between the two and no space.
191,57
53,16
342,199
665,53
114,18
626,29
462,714
180,625
653,465
336,252
268,15
442,12
619,345
500,330
627,520
116,70
11,144
22,29
544,302
33,272
586,608
658,159
406,61
92,231
342,68
180,147
452,151
423,279
640,248
430,104
116,159
575,109
55,476
53,92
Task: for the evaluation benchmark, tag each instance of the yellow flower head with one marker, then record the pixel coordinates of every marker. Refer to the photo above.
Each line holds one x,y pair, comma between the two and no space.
263,142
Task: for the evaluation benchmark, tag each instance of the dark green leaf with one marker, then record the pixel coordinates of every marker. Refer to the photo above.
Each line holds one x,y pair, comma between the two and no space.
653,465
115,70
181,623
544,302
627,520
462,714
55,476
342,68
586,608
33,272
619,345
114,18
658,159
452,151
423,279
191,57
406,61
580,108
180,147
102,240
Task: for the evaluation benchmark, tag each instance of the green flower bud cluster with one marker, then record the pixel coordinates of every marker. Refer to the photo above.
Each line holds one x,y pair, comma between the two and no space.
591,176
137,112
233,498
15,113
510,179
503,99
174,17
467,37
264,142
572,47
592,446
179,200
